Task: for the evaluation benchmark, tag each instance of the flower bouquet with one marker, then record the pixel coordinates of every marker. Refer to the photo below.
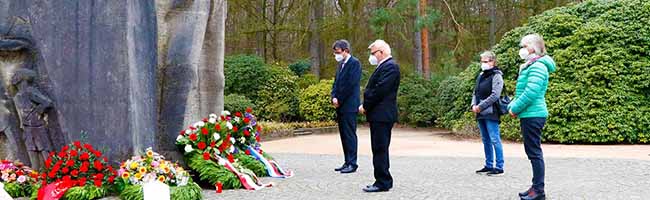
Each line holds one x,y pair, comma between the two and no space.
221,149
151,167
18,179
76,172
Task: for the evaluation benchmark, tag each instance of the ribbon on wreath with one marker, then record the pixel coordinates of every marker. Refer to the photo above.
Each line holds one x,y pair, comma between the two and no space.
248,179
272,167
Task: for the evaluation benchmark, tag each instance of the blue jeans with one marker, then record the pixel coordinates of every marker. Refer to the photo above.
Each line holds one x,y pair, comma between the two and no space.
531,131
491,142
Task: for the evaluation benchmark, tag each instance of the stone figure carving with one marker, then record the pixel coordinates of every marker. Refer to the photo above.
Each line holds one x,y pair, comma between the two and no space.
31,105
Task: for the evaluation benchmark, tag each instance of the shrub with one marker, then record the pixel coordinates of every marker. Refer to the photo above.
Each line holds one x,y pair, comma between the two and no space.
235,102
315,104
600,92
300,67
416,100
307,80
278,97
245,75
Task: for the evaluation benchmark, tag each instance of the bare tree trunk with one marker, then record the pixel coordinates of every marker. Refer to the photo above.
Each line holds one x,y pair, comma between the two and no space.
315,43
418,45
425,43
493,22
261,35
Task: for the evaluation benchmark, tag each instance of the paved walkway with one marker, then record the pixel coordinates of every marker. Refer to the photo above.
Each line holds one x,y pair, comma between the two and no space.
429,164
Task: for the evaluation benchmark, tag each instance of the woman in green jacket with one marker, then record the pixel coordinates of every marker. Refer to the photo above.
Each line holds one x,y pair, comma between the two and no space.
529,105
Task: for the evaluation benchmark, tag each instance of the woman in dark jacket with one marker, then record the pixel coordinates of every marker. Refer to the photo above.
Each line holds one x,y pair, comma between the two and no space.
489,85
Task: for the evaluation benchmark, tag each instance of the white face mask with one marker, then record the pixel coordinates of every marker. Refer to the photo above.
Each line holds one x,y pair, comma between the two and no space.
485,66
373,60
523,53
338,57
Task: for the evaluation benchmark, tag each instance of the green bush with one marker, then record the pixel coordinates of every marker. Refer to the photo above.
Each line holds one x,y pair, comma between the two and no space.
600,92
416,101
300,67
315,104
235,103
278,96
245,75
307,80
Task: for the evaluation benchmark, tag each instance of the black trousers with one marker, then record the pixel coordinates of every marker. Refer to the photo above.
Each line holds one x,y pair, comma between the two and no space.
531,130
348,131
380,133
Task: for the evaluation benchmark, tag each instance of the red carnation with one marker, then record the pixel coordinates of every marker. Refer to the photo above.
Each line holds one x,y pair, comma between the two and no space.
204,131
201,145
231,158
205,119
98,165
249,110
259,128
62,154
247,120
182,132
235,129
223,118
74,173
84,156
73,153
217,127
193,137
257,138
81,181
105,160
48,163
77,144
99,176
238,114
98,183
65,148
261,152
212,144
206,156
88,146
84,166
111,179
67,179
65,170
19,173
51,153
247,133
248,152
192,128
58,164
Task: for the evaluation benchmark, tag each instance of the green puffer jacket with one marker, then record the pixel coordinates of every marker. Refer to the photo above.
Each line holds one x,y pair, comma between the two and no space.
531,87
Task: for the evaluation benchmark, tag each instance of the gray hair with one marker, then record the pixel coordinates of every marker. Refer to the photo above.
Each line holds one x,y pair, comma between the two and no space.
536,42
381,45
489,55
341,44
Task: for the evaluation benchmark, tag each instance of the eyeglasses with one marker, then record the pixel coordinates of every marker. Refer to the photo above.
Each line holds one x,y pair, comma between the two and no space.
486,61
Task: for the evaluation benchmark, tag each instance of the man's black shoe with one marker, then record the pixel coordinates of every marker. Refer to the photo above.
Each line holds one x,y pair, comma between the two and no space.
374,189
534,195
340,168
484,170
348,169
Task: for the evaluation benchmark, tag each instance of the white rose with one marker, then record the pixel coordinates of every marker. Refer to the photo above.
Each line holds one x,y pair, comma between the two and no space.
225,113
229,125
232,140
237,119
178,139
212,120
213,115
216,136
188,131
232,149
201,124
242,139
196,125
188,148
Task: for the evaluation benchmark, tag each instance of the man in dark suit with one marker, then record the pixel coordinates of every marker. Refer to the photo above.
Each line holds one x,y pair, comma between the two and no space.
380,107
345,97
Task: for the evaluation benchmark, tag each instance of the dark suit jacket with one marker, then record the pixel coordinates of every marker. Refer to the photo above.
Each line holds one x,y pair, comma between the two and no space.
380,96
346,86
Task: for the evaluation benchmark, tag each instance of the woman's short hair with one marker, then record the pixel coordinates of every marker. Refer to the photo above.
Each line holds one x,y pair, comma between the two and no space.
489,55
534,41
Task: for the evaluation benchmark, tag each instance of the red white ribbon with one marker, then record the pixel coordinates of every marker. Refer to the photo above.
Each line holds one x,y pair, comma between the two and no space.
272,167
249,181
